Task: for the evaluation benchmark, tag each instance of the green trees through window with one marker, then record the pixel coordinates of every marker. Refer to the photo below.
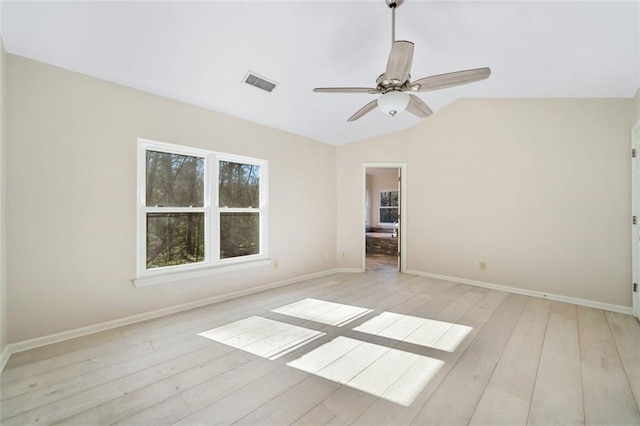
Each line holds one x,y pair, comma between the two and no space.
239,190
183,210
174,239
239,185
174,180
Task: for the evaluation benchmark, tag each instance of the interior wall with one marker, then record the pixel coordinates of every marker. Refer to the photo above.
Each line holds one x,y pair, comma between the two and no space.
71,202
636,100
3,282
368,200
537,188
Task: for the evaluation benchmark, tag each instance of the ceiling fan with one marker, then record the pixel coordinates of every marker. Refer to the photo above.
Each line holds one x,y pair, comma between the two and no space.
394,84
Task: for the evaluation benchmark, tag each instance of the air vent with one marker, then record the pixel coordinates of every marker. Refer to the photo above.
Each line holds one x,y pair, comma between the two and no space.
260,82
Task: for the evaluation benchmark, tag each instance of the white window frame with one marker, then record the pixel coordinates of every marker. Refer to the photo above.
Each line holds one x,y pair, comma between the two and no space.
380,206
261,210
212,262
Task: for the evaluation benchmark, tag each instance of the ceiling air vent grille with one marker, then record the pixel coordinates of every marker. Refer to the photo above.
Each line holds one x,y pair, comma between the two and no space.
253,79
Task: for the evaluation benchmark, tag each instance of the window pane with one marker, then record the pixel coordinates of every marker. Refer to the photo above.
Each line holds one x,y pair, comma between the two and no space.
389,199
239,234
388,215
174,180
174,239
239,185
384,199
393,198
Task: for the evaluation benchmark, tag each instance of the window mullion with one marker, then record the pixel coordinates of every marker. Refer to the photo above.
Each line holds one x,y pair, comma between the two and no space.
240,210
156,209
214,216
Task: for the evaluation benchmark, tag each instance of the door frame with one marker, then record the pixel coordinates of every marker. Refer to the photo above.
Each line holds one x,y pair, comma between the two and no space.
635,212
402,225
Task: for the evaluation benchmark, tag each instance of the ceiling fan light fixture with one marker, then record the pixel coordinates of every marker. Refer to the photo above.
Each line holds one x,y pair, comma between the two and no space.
396,80
393,102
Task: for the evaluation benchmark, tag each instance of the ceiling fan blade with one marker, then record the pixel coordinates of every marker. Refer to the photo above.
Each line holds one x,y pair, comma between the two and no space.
400,59
417,107
345,90
365,109
450,79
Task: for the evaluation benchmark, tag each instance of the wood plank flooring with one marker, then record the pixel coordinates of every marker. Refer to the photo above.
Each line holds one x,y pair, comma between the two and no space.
371,348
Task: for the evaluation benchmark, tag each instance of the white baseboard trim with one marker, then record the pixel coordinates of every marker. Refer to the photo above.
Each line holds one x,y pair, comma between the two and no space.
108,325
4,357
551,296
348,270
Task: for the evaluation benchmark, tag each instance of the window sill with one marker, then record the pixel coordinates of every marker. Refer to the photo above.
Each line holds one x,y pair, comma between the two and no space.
210,270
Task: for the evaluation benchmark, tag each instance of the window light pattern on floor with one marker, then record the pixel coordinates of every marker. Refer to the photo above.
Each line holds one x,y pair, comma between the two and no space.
444,336
330,313
388,373
262,336
382,370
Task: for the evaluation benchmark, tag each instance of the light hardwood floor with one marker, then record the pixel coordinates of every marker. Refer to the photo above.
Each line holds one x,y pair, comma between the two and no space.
381,263
370,348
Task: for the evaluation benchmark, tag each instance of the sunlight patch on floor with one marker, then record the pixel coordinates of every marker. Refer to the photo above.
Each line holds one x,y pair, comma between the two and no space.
262,336
330,313
388,373
378,369
425,332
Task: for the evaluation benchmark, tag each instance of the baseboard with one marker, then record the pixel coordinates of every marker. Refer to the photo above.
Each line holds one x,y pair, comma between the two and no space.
4,357
551,296
348,270
108,325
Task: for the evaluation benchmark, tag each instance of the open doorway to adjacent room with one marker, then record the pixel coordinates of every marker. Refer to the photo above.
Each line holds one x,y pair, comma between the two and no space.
635,212
383,217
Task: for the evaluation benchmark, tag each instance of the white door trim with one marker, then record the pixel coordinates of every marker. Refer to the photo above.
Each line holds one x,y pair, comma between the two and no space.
402,231
635,212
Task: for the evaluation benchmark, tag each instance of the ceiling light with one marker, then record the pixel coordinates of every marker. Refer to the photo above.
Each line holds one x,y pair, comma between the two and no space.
393,101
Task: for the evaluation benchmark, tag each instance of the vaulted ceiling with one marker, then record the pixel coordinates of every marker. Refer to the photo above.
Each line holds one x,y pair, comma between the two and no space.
199,52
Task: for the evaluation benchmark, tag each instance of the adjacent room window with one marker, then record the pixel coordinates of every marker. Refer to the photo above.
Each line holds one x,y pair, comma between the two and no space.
388,207
199,208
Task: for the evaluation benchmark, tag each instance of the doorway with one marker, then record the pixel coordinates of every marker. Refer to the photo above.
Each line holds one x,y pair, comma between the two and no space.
635,211
384,217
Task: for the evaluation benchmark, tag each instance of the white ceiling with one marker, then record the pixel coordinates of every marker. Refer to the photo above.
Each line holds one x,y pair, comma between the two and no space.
199,52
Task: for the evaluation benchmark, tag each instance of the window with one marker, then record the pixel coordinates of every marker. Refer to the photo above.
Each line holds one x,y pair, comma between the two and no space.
174,209
239,214
388,207
198,208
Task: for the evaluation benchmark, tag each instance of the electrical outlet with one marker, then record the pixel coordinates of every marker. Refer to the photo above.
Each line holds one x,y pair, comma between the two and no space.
344,254
275,264
482,264
326,255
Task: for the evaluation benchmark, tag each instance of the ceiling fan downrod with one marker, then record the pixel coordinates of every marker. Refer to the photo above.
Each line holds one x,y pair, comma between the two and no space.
393,4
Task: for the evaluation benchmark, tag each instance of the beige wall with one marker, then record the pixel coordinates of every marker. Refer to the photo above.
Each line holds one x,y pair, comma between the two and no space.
3,286
539,189
368,200
636,100
71,199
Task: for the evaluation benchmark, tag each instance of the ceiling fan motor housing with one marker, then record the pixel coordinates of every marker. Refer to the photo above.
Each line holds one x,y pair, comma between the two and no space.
383,85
